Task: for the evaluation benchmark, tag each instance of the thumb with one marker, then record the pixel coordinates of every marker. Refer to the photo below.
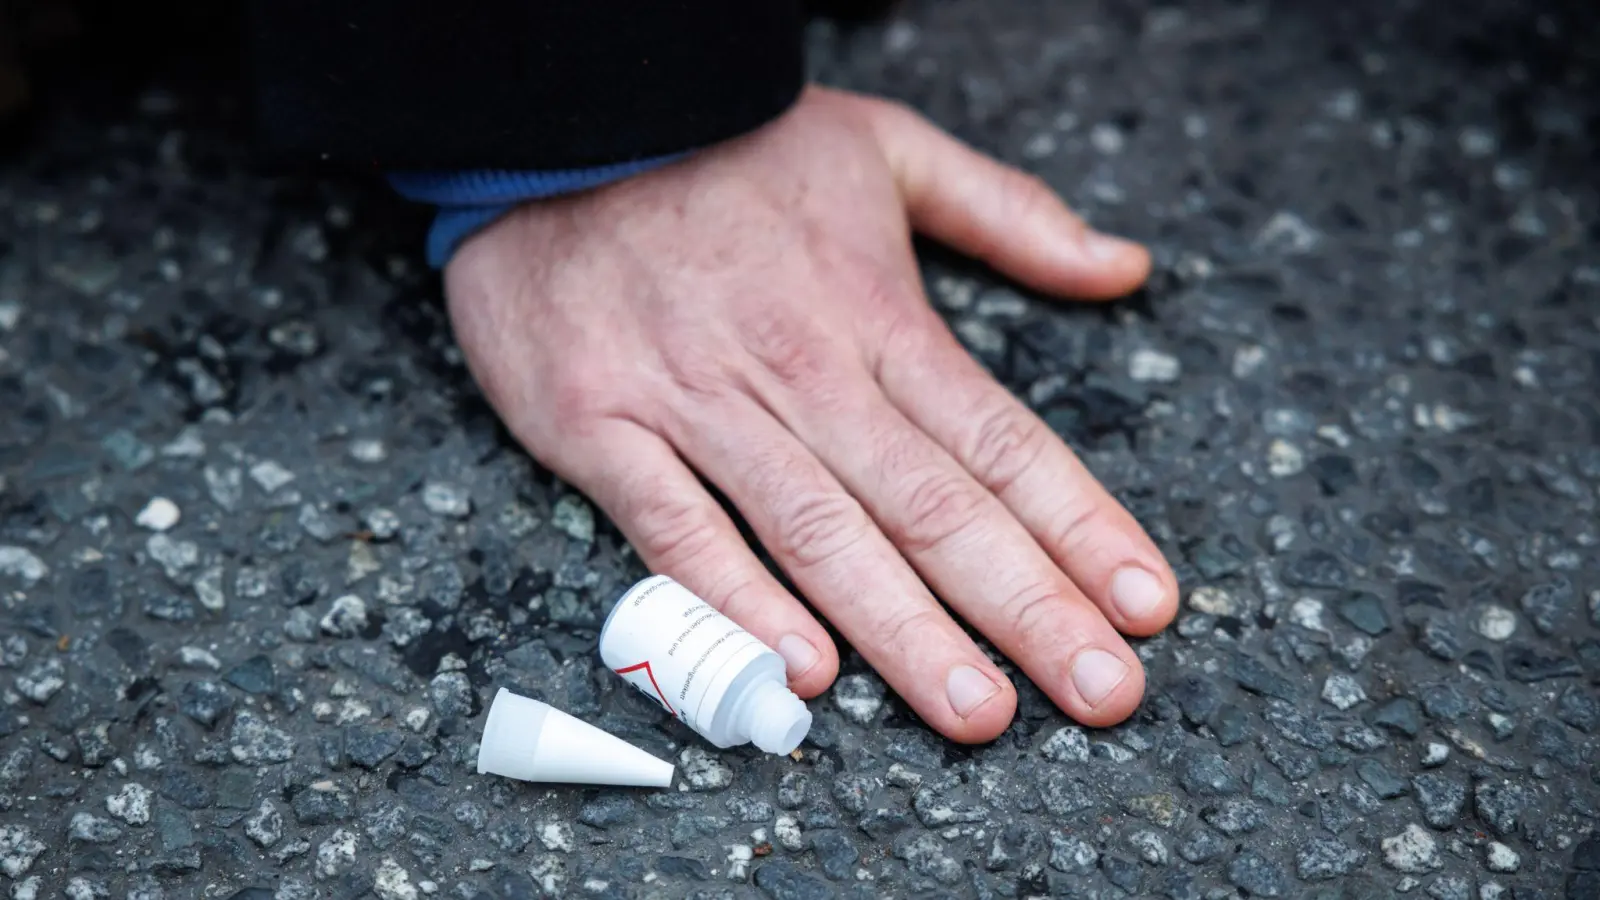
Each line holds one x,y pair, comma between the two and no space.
1001,215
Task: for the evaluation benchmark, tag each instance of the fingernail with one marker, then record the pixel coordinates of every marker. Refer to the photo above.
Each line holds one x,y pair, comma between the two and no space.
1096,674
968,689
1106,247
798,654
1136,592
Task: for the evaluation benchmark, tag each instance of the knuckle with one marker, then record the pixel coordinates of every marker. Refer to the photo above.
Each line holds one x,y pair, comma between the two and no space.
696,375
819,526
1074,527
672,531
938,506
1024,195
1027,611
908,632
787,348
1006,442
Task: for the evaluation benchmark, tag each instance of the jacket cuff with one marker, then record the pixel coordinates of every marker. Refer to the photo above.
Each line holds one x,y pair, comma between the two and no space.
469,201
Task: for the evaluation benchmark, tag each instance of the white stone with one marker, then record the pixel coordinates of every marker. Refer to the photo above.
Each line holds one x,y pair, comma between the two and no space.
1496,622
28,888
208,589
1502,858
1307,613
19,563
1435,754
859,697
1146,364
1414,851
787,831
159,514
447,500
1066,745
1107,138
368,450
556,836
131,804
1285,459
1247,359
1213,601
18,850
336,853
1343,691
347,617
270,476
417,718
393,882
187,445
265,825
739,856
1288,233
703,771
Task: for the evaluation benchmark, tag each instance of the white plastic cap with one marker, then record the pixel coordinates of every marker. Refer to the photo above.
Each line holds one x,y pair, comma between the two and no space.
529,740
775,719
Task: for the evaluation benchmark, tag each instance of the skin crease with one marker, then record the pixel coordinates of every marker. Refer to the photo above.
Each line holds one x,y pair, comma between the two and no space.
755,313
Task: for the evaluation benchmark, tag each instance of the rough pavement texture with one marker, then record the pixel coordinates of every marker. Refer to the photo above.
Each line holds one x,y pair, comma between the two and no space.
1356,407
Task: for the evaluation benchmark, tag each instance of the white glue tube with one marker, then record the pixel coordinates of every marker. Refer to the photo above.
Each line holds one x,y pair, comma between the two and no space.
530,740
702,668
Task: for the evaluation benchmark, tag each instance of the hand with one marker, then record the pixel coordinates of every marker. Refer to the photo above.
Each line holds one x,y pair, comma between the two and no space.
755,314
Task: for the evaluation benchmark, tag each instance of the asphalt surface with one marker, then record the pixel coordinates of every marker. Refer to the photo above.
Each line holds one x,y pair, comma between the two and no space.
1356,407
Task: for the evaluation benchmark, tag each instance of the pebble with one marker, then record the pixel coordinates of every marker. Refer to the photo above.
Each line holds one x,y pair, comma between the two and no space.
1213,601
1435,754
1365,612
1235,816
254,742
265,825
270,476
859,697
1072,855
336,853
1343,691
1499,803
782,881
447,500
1495,622
368,450
703,771
1501,858
1205,774
573,517
1150,847
1258,875
1545,604
1145,364
18,562
1450,887
1413,851
1066,745
347,618
131,804
1321,858
42,681
159,514
92,829
392,882
1284,460
787,830
1383,782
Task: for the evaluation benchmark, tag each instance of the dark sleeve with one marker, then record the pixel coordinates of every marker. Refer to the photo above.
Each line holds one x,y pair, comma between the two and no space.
515,84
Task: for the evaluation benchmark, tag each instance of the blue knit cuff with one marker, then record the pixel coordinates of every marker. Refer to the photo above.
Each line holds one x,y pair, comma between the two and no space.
468,201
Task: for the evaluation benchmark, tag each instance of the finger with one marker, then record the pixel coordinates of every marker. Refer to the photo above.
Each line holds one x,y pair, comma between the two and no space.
680,531
823,539
972,550
1001,215
1046,487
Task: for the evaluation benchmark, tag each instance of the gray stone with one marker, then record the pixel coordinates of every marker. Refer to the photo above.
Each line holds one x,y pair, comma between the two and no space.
1320,859
1258,875
1413,850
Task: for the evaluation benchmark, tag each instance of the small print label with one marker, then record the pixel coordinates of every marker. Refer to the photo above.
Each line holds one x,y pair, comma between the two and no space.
675,648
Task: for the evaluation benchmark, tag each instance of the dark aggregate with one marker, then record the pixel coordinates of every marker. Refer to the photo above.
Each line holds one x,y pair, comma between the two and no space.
1377,275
